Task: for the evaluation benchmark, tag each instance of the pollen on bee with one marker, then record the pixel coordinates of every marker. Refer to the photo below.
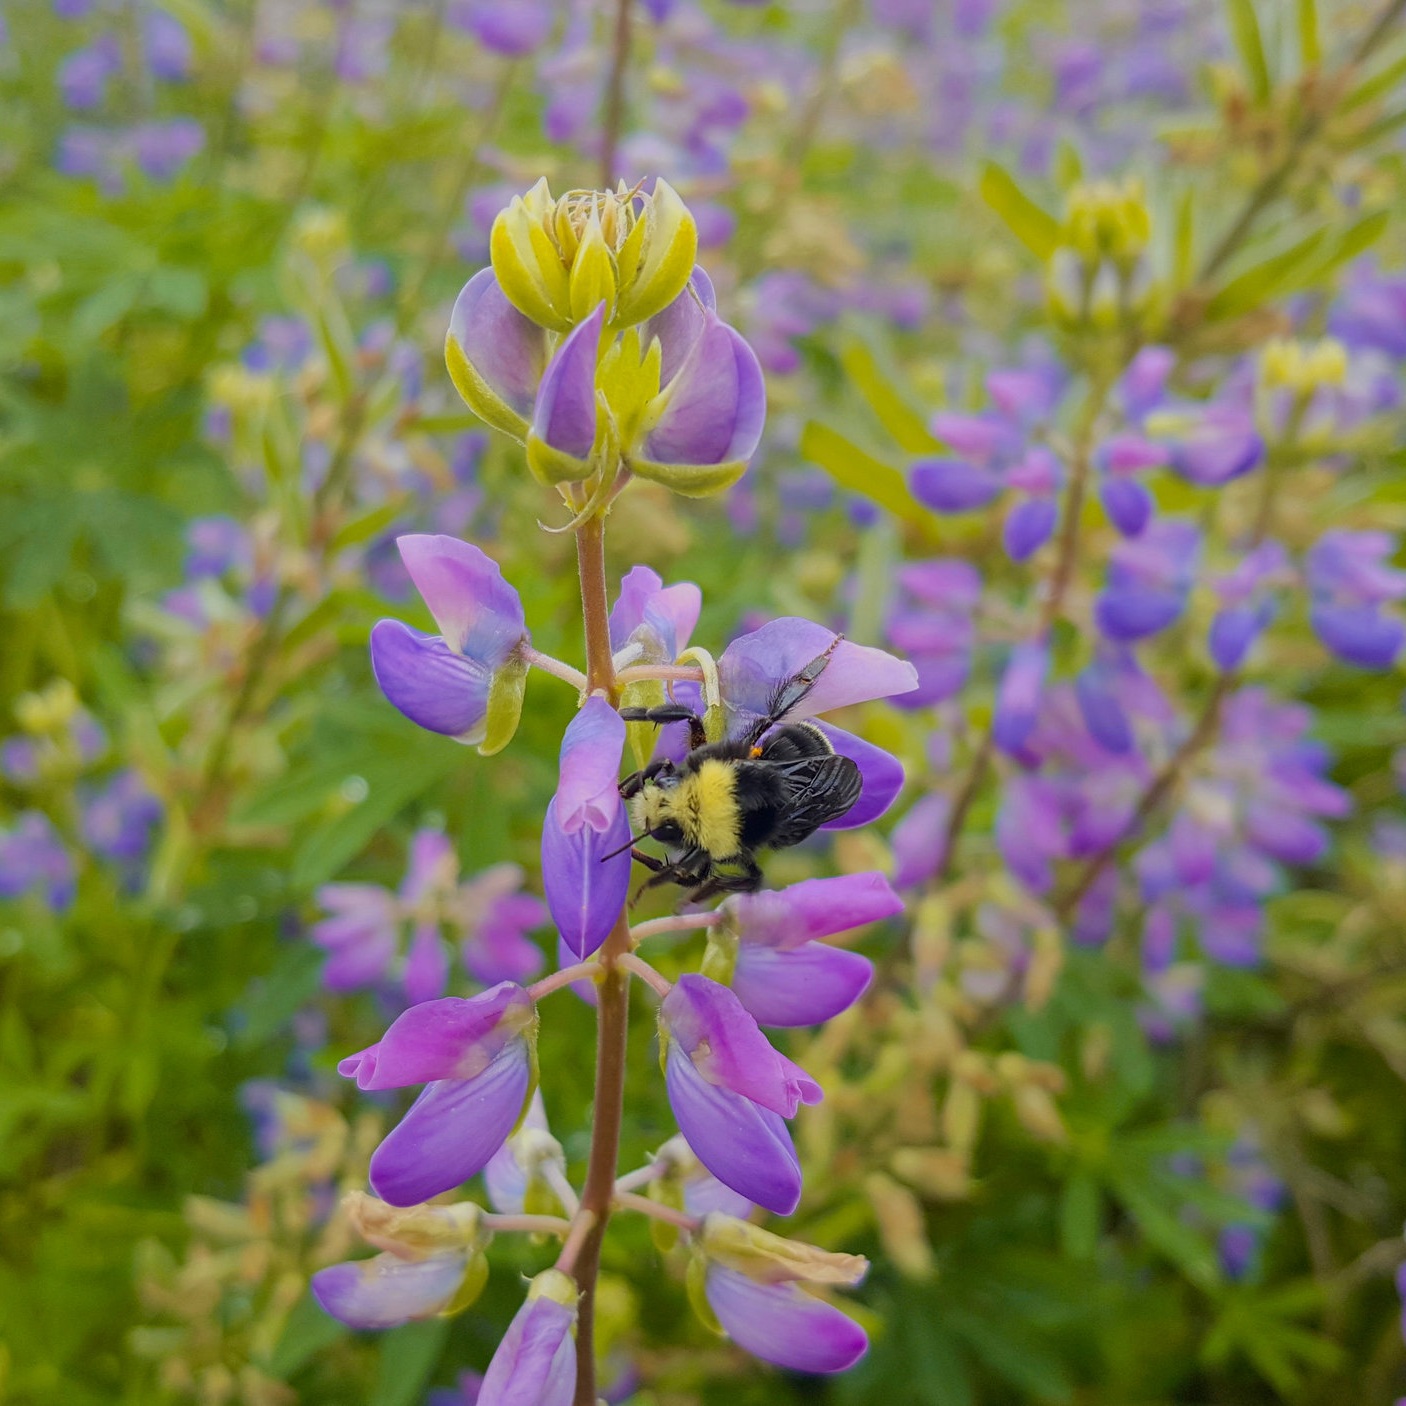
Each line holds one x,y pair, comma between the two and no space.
755,753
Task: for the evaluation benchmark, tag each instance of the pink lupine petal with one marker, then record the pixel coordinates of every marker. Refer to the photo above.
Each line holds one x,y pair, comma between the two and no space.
387,1291
811,909
477,611
452,1130
746,1147
805,985
782,1324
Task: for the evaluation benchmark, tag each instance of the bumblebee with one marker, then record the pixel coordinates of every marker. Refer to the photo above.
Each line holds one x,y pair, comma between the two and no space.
768,788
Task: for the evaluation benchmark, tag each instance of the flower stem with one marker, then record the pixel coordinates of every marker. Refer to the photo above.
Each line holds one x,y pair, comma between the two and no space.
615,99
583,1223
557,668
564,977
665,673
582,1250
646,973
627,1200
675,922
641,1176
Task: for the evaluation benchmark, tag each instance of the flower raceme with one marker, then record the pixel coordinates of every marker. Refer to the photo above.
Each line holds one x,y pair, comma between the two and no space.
602,350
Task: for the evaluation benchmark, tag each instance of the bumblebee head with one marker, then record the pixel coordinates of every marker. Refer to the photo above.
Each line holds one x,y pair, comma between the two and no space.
654,814
699,811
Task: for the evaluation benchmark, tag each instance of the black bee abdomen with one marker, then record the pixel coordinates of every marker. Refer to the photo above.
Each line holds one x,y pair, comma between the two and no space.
795,741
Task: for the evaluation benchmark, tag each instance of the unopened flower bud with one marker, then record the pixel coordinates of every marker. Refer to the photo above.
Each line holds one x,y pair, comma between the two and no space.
902,1228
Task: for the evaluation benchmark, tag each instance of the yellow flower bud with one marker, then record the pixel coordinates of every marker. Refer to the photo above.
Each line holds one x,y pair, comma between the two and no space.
902,1227
415,1232
557,260
938,1172
773,1259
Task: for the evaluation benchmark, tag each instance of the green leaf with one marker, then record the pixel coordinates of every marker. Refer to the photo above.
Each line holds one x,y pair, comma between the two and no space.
1036,228
858,472
1245,31
182,292
408,1358
894,413
1378,85
309,1329
1184,255
393,783
1310,46
1266,280
1079,1216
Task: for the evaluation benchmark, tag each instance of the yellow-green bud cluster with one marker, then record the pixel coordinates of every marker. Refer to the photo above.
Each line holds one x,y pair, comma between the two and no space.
1303,367
1098,273
557,260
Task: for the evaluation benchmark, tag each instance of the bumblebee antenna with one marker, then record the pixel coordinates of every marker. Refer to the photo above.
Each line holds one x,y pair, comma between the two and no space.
633,840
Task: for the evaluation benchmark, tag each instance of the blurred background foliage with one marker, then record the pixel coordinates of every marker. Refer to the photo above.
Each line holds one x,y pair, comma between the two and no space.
230,236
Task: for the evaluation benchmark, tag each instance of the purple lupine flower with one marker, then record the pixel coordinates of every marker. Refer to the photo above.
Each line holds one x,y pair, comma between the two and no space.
118,821
216,546
1103,714
755,664
387,1290
1247,604
476,1061
784,975
585,822
1149,578
564,410
752,1283
84,74
1220,444
363,48
512,28
696,435
167,46
730,1092
513,1173
1127,501
985,447
360,934
919,841
703,1193
535,1364
1350,582
33,858
933,625
1370,313
780,1323
658,618
163,149
443,682
1018,698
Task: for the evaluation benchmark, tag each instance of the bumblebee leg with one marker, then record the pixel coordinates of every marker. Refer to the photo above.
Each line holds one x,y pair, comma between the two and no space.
634,783
749,881
670,713
655,866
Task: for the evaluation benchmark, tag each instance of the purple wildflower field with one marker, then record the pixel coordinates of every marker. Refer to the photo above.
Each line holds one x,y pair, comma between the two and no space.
702,702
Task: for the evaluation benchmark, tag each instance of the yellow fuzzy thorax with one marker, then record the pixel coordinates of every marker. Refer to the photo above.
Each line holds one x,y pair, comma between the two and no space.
704,805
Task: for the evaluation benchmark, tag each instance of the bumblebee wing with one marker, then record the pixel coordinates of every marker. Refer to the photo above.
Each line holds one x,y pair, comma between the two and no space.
821,789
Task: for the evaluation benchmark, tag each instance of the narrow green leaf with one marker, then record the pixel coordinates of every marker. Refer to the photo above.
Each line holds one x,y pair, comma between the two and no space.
1378,85
1266,280
392,785
1245,31
362,529
1184,253
857,471
1310,46
1036,228
444,424
1079,1216
895,414
309,1329
408,1358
